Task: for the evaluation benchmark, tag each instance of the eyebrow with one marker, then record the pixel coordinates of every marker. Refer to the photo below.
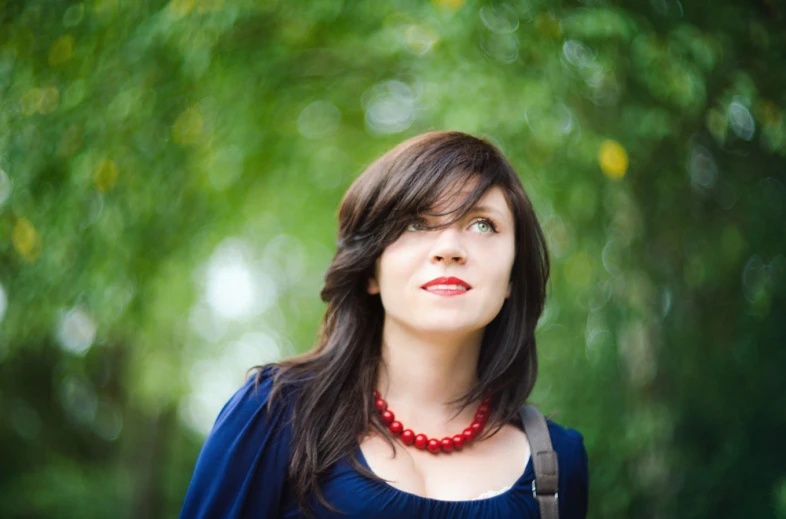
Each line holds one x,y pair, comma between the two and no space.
484,209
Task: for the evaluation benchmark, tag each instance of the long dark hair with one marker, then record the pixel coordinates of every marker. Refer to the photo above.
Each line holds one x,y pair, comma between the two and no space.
335,380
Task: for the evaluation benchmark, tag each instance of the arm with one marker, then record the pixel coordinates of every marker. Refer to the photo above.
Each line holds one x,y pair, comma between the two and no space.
241,469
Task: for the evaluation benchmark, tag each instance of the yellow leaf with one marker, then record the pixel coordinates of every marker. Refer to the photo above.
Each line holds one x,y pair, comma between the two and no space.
61,50
181,7
769,113
107,7
26,240
613,159
50,99
450,4
105,176
31,101
188,127
548,26
204,6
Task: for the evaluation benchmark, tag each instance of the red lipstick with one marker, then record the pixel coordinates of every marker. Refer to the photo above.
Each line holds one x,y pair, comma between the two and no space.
447,286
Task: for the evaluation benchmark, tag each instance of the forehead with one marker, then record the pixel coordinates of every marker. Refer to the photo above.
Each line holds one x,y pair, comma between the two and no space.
494,198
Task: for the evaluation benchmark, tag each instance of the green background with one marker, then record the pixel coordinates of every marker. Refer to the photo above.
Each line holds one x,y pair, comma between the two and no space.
170,174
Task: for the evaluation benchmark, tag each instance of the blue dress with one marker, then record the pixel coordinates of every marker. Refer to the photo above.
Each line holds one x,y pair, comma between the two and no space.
241,473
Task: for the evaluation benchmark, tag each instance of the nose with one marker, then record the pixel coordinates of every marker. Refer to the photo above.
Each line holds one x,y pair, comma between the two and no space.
448,248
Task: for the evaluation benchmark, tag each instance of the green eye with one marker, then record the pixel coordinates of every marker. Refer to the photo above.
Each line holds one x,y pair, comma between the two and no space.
484,226
416,225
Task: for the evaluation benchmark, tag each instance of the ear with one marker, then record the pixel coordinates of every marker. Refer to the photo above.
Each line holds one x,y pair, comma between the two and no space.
372,287
510,287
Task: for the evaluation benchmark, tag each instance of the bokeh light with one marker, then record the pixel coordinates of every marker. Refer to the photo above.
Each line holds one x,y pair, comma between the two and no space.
613,159
76,331
3,302
6,187
390,107
233,288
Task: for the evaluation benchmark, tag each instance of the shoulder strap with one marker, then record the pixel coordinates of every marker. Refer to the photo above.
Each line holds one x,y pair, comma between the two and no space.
544,460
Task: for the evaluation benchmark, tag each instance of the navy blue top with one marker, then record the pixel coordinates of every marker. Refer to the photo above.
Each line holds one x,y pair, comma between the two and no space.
241,473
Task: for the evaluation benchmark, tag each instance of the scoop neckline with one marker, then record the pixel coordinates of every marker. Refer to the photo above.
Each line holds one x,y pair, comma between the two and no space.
520,480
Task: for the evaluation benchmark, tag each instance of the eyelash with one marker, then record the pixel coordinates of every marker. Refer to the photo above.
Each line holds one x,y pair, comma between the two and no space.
487,222
421,221
417,222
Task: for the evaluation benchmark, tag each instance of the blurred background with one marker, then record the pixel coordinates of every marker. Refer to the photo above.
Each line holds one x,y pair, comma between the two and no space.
169,179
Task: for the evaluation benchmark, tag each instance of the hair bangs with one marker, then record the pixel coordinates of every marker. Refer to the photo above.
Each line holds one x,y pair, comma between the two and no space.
452,192
455,198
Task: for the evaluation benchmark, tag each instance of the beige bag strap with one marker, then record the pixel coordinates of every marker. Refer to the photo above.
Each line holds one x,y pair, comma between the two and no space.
544,460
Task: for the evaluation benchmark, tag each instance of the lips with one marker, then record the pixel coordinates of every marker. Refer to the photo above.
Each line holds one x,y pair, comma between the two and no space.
447,286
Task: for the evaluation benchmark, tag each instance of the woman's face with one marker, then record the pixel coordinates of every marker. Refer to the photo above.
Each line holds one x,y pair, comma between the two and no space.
453,279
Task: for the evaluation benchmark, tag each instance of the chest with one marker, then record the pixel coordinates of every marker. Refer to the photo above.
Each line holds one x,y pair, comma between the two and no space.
486,467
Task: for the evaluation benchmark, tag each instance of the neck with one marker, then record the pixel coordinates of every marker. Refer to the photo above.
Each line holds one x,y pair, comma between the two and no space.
427,371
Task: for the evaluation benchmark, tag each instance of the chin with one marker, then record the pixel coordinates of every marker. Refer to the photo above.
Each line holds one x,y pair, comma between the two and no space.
449,327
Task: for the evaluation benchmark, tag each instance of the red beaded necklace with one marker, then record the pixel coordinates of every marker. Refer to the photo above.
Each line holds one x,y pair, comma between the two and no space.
421,441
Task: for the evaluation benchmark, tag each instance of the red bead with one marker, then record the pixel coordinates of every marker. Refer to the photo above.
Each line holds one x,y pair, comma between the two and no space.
421,441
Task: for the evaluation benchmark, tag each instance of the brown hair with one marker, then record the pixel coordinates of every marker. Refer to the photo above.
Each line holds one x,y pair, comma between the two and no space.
335,380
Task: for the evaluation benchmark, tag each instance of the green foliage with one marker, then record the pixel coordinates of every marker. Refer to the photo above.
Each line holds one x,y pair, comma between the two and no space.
170,172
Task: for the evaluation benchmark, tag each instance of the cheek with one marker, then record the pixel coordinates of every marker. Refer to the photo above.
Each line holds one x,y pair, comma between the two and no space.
391,270
502,258
398,261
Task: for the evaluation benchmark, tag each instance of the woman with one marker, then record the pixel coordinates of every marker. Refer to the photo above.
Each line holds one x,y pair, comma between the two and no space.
408,406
